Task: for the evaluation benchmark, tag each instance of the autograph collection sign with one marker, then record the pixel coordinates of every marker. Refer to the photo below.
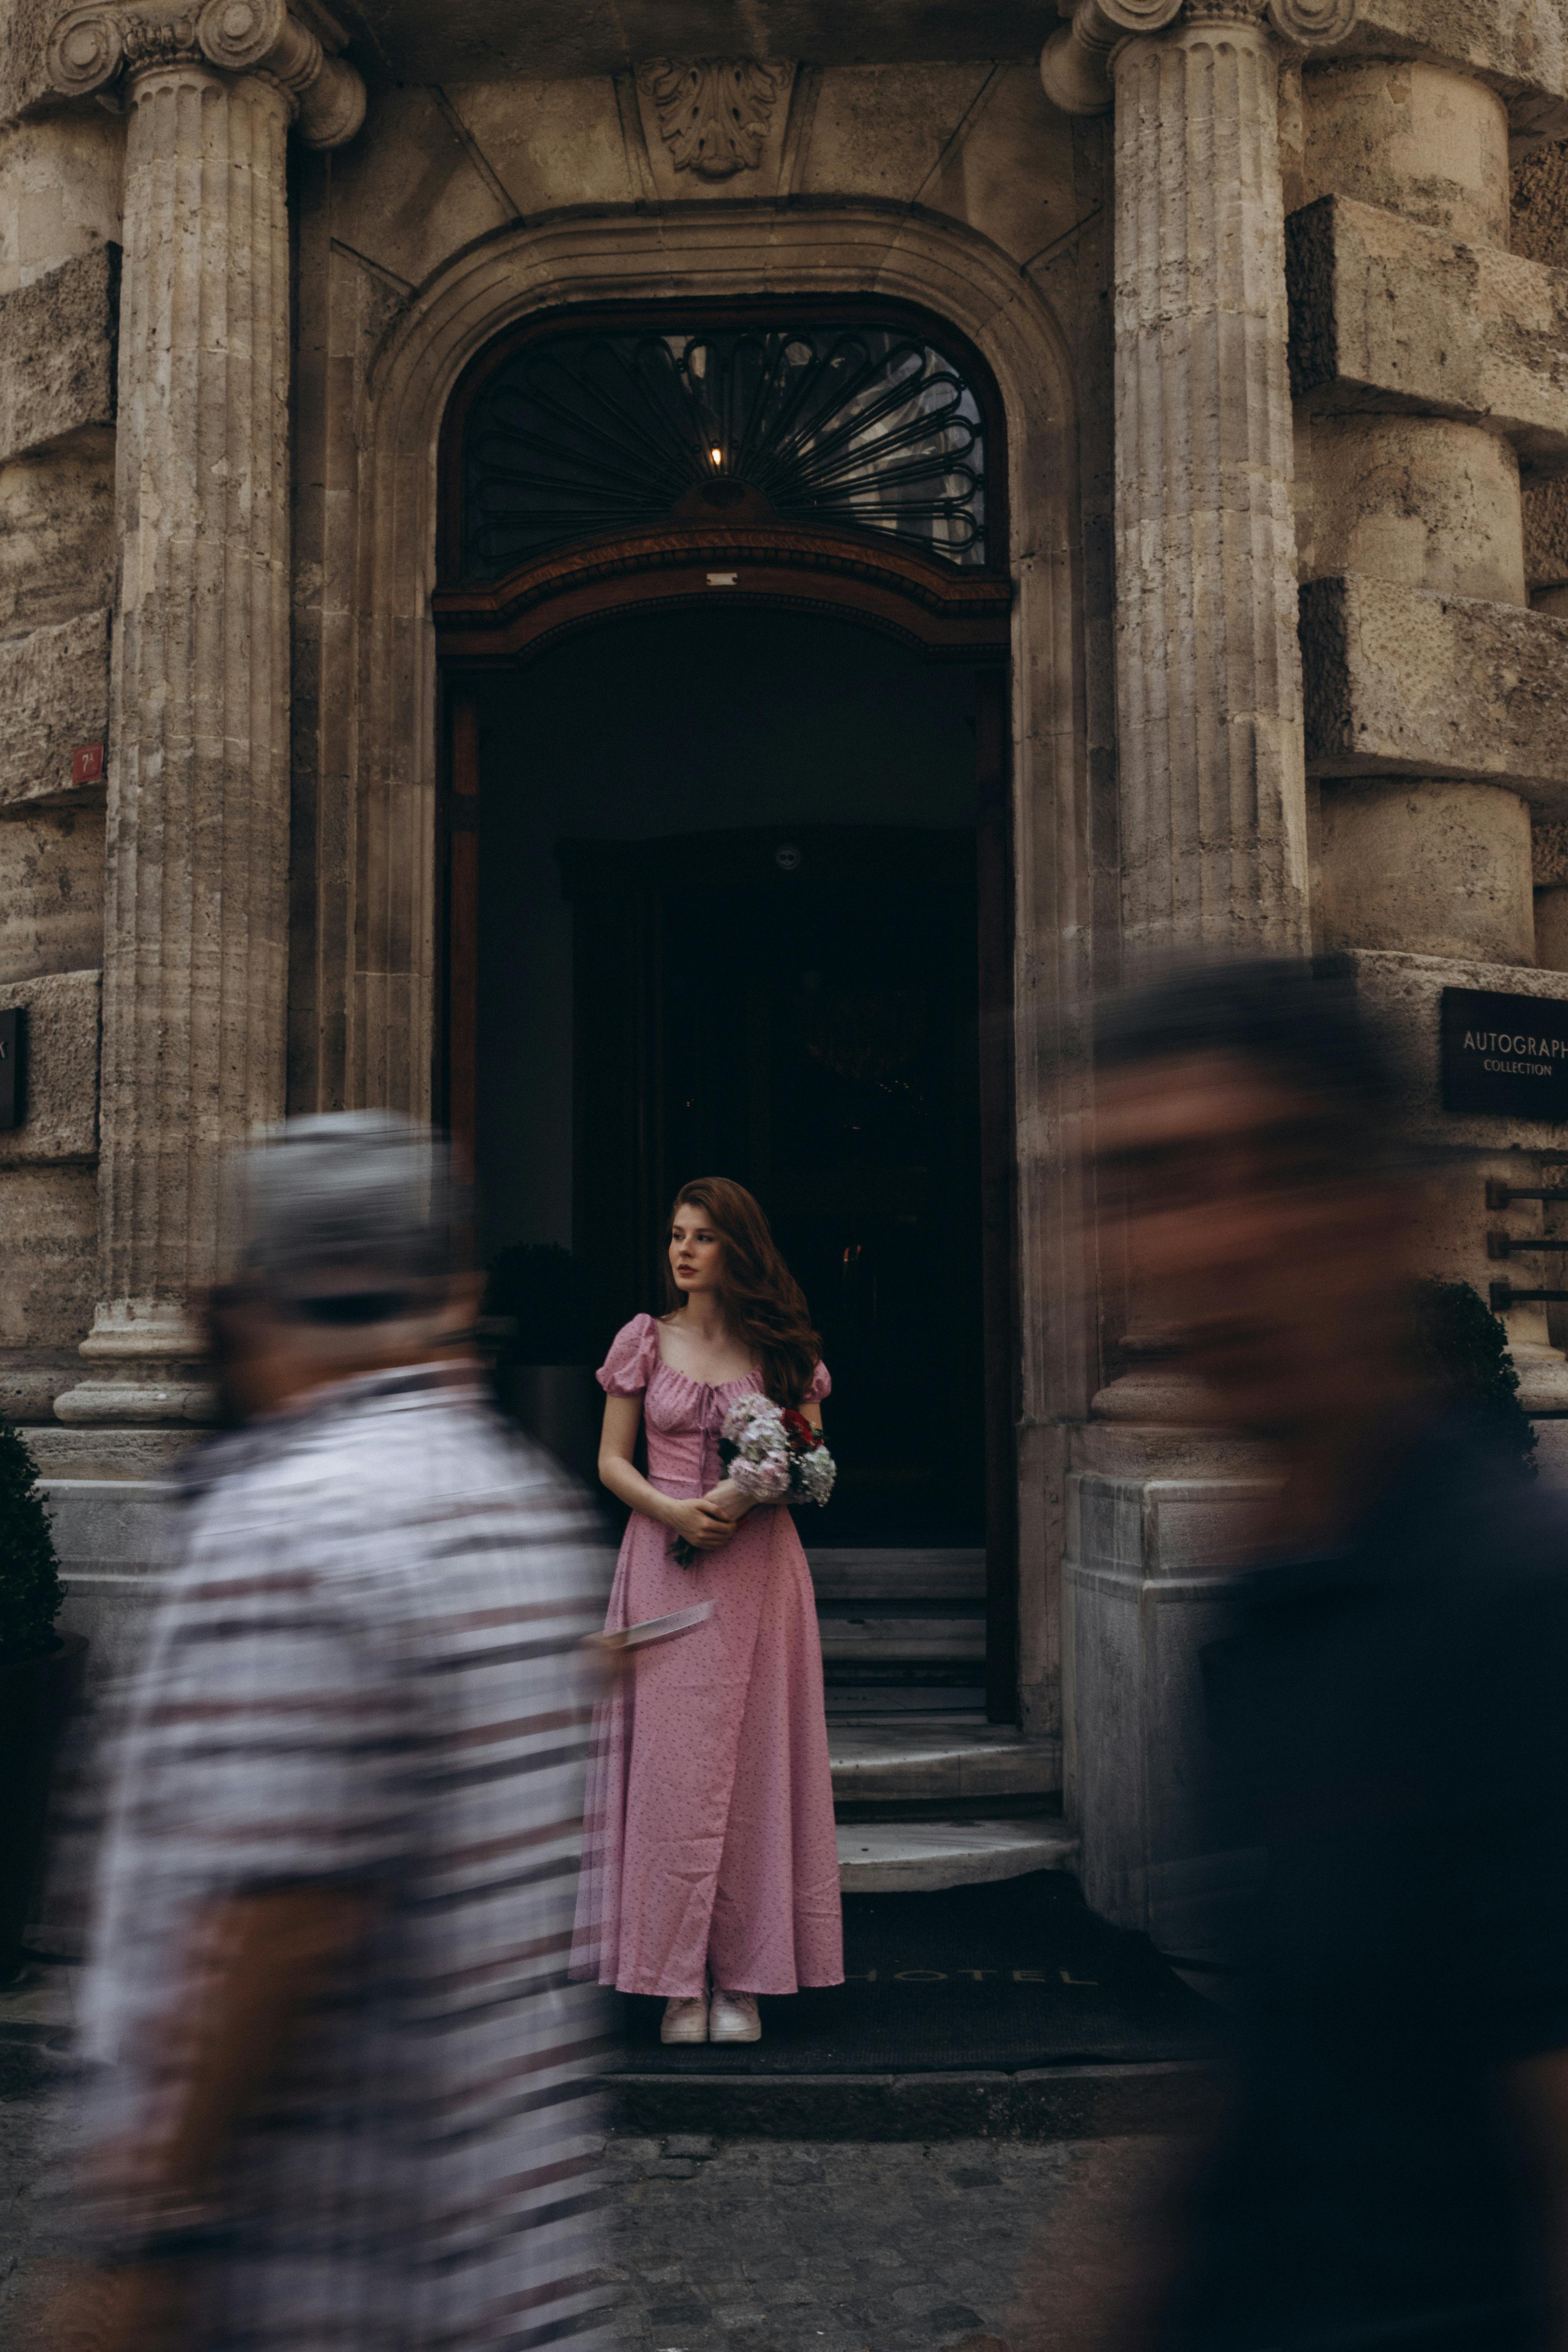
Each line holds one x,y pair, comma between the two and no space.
1504,1053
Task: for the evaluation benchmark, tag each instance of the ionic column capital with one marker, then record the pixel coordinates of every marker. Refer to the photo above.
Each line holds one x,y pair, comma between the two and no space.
93,48
1075,64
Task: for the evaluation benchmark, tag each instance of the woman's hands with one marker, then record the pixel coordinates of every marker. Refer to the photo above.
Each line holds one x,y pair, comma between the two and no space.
706,1524
699,1524
731,1501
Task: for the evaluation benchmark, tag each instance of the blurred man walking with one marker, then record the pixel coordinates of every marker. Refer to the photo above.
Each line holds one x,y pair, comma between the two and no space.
1388,1711
349,2090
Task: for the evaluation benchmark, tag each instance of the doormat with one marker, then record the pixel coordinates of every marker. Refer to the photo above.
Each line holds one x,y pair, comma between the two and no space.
1011,1975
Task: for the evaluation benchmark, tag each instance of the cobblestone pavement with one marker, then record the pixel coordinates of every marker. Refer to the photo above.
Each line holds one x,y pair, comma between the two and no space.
814,2246
36,2099
734,2245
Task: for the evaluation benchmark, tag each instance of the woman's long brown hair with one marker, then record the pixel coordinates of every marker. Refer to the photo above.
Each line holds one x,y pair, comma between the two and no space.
764,1302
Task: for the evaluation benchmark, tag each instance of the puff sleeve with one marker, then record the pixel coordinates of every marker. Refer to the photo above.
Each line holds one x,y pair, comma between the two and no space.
821,1384
628,1368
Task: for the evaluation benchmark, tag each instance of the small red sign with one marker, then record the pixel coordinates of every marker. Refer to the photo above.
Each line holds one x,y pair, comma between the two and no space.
87,764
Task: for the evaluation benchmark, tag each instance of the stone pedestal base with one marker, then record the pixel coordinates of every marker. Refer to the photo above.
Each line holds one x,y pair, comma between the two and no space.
1163,1510
1143,1587
158,1396
110,1535
147,1371
1542,1369
93,1452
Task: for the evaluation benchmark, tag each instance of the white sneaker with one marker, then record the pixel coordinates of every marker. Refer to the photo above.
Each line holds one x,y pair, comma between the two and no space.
685,2020
733,2018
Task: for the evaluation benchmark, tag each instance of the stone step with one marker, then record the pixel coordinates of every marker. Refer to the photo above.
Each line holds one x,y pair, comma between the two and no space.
890,1637
919,1857
1181,2098
853,1701
940,1761
852,1573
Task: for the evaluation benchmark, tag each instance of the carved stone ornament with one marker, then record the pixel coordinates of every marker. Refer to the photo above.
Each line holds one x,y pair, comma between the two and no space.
1074,62
713,113
91,46
1309,22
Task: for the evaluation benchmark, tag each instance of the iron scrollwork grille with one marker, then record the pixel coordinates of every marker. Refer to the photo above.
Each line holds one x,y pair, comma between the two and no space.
858,428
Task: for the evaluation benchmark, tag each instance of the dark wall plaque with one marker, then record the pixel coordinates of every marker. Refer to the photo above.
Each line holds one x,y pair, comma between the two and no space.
11,1069
1505,1054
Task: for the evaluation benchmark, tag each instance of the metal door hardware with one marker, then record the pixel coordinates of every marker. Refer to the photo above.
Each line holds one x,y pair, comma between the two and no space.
11,1066
1504,1297
1500,1195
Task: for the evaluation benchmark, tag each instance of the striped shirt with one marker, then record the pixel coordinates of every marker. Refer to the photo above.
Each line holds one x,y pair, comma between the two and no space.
365,1670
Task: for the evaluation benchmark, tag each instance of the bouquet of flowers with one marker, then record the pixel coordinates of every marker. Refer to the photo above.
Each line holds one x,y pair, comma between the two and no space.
774,1455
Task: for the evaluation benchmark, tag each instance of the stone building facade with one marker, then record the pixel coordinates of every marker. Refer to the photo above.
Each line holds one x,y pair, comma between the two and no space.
1271,296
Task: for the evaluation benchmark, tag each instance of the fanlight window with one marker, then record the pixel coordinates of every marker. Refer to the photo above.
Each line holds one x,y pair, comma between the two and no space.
858,428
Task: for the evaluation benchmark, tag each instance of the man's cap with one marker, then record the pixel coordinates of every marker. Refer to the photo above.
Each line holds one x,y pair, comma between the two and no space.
347,1213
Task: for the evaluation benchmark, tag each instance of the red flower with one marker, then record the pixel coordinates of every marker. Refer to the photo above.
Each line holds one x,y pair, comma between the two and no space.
803,1438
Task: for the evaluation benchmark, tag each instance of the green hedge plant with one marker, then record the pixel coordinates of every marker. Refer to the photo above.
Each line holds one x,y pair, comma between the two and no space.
30,1587
1463,1351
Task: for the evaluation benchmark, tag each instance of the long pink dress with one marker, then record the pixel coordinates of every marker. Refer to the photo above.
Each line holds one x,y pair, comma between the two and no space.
709,1812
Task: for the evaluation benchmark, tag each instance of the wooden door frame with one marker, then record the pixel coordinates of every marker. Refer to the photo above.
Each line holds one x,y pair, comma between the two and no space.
995,899
959,618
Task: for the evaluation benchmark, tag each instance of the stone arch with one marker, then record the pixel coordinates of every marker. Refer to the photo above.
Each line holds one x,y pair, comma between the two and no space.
389,935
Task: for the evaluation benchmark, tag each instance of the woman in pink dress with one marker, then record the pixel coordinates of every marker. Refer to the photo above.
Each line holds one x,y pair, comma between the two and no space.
711,1870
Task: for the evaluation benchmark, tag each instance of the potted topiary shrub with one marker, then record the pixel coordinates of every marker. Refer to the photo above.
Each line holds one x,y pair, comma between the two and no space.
541,1307
1463,1351
40,1674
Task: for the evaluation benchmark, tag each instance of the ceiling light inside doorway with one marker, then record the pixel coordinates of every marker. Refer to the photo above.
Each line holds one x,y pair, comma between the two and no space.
717,455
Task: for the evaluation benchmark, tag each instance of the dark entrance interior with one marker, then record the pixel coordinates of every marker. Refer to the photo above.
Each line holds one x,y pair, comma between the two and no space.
727,925
795,1005
729,896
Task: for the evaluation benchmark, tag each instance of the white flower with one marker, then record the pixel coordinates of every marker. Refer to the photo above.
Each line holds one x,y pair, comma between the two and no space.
765,1465
764,1481
817,1471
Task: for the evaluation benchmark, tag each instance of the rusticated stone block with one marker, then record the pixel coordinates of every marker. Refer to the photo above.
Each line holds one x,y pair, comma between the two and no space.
50,1219
56,533
54,689
1401,681
59,1071
51,889
1386,313
1409,134
1538,213
1520,41
1432,866
56,352
1546,514
1549,854
1425,500
23,44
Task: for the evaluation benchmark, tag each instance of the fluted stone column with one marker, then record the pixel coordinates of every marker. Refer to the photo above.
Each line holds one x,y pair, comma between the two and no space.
1213,792
1213,813
195,926
1213,847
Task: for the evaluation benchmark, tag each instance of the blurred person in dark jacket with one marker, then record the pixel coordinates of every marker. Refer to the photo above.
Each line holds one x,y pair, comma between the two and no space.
1388,1713
347,2086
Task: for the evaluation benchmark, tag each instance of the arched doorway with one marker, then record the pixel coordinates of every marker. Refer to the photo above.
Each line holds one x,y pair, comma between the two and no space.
723,626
